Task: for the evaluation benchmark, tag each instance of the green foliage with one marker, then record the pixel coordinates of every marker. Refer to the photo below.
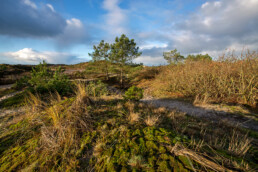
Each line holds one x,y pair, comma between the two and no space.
96,89
173,56
43,80
199,57
134,93
22,82
102,52
124,51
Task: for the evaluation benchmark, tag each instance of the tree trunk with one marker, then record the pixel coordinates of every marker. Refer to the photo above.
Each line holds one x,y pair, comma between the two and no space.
107,76
121,76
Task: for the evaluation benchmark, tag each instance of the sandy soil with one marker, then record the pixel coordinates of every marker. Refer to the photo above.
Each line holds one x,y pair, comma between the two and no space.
202,112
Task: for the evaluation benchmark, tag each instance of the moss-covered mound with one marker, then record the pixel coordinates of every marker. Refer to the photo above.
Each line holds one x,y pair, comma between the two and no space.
146,149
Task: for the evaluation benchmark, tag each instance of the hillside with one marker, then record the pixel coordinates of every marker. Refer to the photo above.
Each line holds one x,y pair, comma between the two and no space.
95,127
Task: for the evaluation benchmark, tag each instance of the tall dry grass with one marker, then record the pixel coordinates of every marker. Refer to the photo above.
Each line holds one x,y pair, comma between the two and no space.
62,123
231,80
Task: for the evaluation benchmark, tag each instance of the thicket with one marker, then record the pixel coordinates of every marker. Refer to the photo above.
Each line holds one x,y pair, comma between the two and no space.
230,80
42,80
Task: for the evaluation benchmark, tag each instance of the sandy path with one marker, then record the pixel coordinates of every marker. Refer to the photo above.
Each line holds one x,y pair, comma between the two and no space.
6,86
213,115
9,95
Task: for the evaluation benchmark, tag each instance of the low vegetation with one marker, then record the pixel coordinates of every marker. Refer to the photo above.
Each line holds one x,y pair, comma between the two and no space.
134,93
43,80
82,133
230,80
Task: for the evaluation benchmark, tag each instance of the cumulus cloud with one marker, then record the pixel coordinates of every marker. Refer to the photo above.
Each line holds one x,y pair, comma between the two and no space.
30,56
218,25
23,18
115,18
234,18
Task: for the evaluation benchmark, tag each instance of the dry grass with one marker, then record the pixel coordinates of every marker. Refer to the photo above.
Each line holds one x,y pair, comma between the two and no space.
34,102
151,120
229,80
133,117
239,145
179,149
130,105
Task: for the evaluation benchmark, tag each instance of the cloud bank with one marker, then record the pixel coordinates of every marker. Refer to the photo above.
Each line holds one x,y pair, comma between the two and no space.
23,18
214,27
30,56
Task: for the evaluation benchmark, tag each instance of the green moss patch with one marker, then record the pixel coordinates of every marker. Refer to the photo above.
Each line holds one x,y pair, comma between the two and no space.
145,149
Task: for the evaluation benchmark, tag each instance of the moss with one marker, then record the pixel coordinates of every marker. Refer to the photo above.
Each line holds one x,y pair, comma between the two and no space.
163,166
151,145
149,133
138,149
152,160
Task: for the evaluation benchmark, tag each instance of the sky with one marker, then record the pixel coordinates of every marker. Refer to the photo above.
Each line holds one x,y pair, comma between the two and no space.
64,31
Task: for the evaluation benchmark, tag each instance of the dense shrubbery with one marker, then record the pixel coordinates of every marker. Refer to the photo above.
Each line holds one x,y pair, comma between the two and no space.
228,81
43,79
22,82
134,93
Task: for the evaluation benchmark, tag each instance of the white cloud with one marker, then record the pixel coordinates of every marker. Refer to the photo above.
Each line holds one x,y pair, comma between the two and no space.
115,19
51,7
30,56
232,18
29,3
219,25
149,60
72,34
151,45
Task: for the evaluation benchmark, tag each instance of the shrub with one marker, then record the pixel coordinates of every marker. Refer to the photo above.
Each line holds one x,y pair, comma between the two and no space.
224,81
96,89
22,82
42,79
134,93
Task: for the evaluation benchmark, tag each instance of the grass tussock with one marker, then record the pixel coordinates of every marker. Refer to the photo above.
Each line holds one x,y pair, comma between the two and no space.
230,80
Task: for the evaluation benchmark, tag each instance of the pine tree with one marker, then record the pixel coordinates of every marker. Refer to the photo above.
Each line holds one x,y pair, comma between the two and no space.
124,51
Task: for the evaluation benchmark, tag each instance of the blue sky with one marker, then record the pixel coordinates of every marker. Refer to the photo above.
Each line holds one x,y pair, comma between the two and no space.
64,31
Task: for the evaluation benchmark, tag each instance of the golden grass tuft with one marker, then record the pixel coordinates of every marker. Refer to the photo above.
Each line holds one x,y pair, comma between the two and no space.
34,102
151,120
133,117
239,145
130,105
